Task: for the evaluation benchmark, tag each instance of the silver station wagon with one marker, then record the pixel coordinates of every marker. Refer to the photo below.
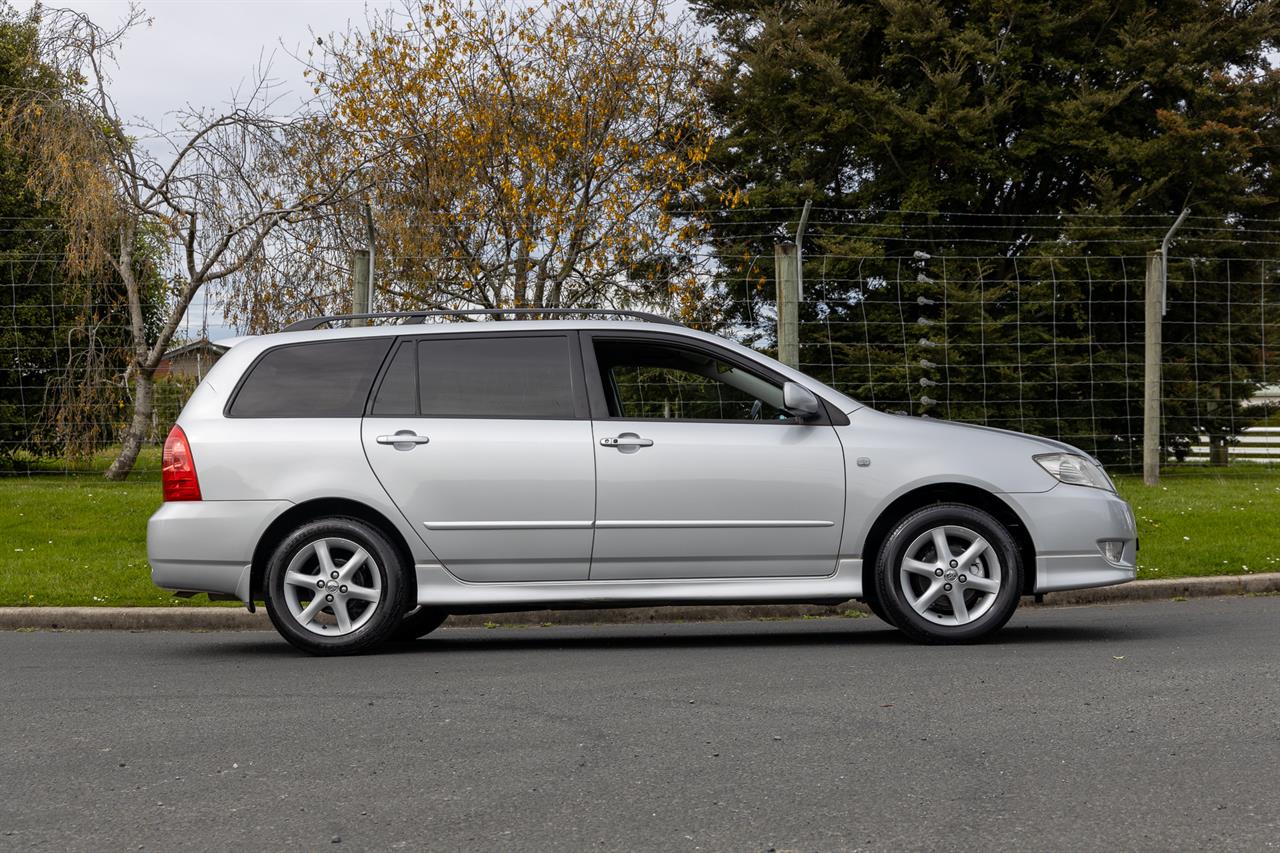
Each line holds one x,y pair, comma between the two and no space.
365,482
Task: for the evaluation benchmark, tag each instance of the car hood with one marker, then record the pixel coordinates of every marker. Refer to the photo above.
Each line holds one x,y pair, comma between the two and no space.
939,429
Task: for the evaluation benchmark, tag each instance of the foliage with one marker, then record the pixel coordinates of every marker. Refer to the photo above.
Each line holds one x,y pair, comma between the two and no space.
1007,115
30,240
524,157
197,216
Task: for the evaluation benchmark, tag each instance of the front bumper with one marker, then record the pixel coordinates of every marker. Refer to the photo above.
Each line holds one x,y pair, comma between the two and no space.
207,546
1066,524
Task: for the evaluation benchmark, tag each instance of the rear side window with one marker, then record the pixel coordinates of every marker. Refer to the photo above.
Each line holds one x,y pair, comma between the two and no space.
398,393
497,377
326,379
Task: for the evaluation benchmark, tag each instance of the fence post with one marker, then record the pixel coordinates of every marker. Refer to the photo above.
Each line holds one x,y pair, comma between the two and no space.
1151,370
786,273
360,285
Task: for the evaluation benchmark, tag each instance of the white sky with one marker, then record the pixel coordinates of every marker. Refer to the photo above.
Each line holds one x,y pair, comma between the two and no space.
200,51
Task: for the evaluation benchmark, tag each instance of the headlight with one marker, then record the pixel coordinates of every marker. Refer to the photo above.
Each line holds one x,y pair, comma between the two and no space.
1070,468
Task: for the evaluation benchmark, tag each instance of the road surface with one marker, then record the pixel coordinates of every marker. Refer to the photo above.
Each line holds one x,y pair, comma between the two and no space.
1140,727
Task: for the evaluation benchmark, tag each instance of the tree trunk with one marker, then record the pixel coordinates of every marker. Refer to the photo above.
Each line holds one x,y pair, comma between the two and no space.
143,404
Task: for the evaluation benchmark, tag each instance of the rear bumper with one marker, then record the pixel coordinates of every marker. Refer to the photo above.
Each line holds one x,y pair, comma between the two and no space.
207,546
1066,524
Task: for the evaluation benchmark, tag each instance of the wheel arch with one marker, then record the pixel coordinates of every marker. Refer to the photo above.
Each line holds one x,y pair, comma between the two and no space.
311,510
936,493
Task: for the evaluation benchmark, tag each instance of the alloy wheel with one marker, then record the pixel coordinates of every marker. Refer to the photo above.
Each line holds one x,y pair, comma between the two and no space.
950,575
332,586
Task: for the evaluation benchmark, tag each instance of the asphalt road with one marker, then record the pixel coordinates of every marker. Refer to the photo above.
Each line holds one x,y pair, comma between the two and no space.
1138,727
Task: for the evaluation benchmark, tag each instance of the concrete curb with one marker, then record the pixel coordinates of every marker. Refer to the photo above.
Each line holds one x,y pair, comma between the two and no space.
237,619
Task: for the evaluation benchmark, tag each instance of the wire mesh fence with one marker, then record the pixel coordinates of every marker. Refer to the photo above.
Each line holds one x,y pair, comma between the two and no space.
1040,334
1052,346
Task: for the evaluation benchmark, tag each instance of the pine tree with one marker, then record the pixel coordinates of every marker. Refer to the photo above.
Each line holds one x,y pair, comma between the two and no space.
1037,127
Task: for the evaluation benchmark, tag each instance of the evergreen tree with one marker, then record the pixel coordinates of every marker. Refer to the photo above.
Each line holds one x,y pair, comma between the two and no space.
1061,140
31,245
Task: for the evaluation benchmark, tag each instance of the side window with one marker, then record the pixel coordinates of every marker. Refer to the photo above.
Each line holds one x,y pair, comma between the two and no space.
325,379
398,392
495,377
657,381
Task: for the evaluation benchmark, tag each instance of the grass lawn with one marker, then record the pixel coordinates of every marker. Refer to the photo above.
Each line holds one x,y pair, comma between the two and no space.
1203,521
82,540
77,541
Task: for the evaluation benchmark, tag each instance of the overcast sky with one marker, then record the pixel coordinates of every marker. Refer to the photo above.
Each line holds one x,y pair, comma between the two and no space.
200,51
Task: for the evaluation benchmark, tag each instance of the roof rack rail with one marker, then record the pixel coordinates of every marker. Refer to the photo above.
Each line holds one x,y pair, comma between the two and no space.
412,317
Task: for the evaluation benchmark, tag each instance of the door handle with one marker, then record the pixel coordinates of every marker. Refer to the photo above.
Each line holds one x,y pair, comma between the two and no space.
404,439
626,441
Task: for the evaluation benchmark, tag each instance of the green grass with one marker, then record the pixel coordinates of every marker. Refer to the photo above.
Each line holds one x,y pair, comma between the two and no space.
77,541
1202,521
82,540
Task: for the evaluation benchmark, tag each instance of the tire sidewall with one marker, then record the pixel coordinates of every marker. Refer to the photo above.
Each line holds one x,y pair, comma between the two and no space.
389,564
892,598
417,623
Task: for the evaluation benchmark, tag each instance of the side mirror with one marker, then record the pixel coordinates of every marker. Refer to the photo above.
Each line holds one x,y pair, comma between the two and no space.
799,401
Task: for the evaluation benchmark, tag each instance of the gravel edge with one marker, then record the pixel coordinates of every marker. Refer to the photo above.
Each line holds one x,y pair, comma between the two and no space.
237,619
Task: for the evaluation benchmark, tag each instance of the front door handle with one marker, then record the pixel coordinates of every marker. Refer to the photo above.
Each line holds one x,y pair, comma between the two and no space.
626,440
404,439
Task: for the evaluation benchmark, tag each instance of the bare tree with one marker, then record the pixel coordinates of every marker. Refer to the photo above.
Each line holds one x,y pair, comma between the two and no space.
194,204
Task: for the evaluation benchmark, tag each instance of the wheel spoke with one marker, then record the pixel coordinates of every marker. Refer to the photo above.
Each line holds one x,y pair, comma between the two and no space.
930,595
918,568
344,618
317,604
363,593
957,604
299,579
983,584
940,544
349,567
972,553
326,561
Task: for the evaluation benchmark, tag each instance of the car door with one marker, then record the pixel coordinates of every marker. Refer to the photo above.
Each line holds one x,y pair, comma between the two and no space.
699,471
484,442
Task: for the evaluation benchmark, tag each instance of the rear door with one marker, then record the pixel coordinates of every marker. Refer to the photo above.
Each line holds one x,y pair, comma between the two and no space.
484,442
700,473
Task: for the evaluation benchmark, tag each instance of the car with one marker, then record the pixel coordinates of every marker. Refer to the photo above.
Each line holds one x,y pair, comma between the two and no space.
366,481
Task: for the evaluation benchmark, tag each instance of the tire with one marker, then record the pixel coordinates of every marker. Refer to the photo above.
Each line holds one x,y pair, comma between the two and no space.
873,601
934,600
418,622
349,622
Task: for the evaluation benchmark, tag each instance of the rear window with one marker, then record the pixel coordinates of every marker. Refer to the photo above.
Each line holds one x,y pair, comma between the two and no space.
497,377
326,379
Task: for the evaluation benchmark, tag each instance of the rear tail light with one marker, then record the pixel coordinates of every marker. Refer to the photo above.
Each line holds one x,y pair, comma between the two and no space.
178,470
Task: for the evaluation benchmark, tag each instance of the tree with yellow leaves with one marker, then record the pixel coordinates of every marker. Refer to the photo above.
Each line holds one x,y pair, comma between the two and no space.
526,156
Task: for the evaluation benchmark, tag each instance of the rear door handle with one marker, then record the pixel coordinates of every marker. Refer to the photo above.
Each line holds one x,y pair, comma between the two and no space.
404,439
626,440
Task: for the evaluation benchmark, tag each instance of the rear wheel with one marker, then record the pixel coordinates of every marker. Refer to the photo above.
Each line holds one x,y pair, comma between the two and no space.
949,573
335,586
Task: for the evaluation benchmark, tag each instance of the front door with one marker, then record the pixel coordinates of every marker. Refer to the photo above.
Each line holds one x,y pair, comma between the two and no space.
483,441
699,471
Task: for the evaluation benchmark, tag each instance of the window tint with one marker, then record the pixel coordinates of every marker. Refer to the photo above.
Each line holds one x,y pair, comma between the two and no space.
327,379
656,381
398,393
509,377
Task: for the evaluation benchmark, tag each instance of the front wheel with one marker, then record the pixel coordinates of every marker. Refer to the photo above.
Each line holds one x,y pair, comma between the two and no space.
335,586
949,573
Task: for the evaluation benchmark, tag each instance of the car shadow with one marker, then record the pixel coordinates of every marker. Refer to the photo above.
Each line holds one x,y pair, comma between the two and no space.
609,638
